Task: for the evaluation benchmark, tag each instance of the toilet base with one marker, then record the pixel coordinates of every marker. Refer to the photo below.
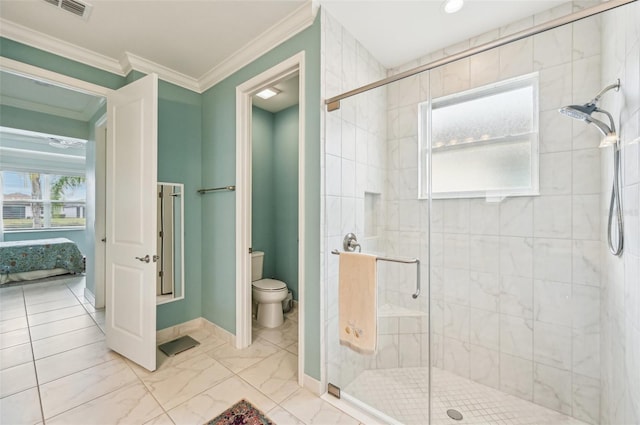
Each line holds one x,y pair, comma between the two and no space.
270,315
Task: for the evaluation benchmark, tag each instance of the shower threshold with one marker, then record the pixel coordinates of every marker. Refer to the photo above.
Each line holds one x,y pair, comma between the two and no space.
403,394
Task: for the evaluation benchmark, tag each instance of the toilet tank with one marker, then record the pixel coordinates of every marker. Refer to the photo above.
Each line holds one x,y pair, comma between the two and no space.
257,259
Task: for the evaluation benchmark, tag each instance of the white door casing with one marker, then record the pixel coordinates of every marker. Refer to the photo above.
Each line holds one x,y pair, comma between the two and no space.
244,92
132,117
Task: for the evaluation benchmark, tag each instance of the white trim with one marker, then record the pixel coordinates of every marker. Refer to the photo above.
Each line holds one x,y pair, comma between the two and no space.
244,92
132,62
356,410
283,30
59,47
22,68
291,25
312,384
88,295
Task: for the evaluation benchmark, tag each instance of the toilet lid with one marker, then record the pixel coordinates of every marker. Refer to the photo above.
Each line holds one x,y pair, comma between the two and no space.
269,285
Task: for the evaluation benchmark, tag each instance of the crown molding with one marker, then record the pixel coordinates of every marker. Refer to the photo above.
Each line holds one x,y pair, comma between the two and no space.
286,28
132,62
58,47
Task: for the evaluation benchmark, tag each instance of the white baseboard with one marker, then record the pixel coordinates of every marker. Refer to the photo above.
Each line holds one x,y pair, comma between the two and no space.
89,296
313,385
173,332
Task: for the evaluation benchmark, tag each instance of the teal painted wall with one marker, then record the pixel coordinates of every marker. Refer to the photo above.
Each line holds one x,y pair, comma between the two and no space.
274,215
43,123
36,57
218,169
263,199
285,165
212,217
179,151
35,121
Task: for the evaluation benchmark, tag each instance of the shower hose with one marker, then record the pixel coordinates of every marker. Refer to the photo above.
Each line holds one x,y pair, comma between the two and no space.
616,249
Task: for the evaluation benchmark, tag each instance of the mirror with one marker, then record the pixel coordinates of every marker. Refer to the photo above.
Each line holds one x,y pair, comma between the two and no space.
170,264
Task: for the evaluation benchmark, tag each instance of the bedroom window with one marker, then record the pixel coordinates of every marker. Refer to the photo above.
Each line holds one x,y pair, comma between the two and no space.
42,201
483,142
42,181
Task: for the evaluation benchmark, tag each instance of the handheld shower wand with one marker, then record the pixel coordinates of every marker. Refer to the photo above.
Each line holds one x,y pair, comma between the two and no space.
583,113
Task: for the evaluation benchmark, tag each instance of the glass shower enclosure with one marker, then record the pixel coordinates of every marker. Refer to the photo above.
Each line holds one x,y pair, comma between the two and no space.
469,168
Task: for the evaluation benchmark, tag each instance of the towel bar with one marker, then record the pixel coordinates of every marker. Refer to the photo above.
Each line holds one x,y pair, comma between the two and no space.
403,261
216,189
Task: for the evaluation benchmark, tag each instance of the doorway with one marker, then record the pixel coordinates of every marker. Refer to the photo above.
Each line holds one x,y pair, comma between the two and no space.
287,200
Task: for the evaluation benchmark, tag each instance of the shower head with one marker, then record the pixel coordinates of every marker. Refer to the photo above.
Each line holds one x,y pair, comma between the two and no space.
578,112
584,112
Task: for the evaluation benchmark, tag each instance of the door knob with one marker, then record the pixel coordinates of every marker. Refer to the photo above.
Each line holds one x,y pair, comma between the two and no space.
144,259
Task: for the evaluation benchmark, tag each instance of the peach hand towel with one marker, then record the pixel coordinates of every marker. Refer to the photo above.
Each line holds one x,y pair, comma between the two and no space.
358,302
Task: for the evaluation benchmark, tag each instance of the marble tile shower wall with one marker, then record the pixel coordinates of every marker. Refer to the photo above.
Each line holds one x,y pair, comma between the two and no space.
515,284
355,165
620,305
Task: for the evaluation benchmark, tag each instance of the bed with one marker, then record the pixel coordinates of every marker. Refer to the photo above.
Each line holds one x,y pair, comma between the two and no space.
36,259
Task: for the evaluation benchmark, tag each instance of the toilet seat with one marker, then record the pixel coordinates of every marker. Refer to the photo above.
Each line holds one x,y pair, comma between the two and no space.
269,285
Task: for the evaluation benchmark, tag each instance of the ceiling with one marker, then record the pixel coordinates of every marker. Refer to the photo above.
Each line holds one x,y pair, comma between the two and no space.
288,96
191,38
398,31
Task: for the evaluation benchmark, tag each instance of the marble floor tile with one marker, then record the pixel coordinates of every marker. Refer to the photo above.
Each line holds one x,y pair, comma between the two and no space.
129,405
66,341
13,324
54,315
11,302
72,361
46,295
237,360
276,376
313,410
10,292
53,305
15,312
16,379
21,408
280,416
77,286
163,419
293,348
282,336
73,390
9,339
206,340
16,355
210,403
58,327
178,383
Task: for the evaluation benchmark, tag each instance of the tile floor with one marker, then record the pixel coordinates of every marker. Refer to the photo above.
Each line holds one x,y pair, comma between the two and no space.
404,395
55,368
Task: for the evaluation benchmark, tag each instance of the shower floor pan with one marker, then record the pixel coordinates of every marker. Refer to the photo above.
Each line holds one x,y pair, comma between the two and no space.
404,395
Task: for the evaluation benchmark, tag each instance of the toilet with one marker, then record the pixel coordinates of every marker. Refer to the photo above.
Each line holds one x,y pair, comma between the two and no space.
267,294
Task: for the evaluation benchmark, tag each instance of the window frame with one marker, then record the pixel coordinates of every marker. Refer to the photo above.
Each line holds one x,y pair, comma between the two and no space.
425,148
46,202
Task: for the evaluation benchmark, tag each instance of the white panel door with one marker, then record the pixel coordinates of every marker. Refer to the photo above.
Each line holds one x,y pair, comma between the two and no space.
132,119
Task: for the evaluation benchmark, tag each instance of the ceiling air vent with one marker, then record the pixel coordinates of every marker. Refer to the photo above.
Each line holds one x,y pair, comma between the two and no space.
76,7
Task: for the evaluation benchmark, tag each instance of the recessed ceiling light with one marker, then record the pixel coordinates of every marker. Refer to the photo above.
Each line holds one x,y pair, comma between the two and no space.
452,6
268,93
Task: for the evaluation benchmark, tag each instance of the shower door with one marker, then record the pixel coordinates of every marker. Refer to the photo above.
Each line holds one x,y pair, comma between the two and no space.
372,191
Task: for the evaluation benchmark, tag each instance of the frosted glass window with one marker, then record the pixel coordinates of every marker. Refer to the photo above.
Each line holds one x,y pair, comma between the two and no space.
482,142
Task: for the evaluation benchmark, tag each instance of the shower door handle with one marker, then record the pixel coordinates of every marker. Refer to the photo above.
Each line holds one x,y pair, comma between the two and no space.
417,293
